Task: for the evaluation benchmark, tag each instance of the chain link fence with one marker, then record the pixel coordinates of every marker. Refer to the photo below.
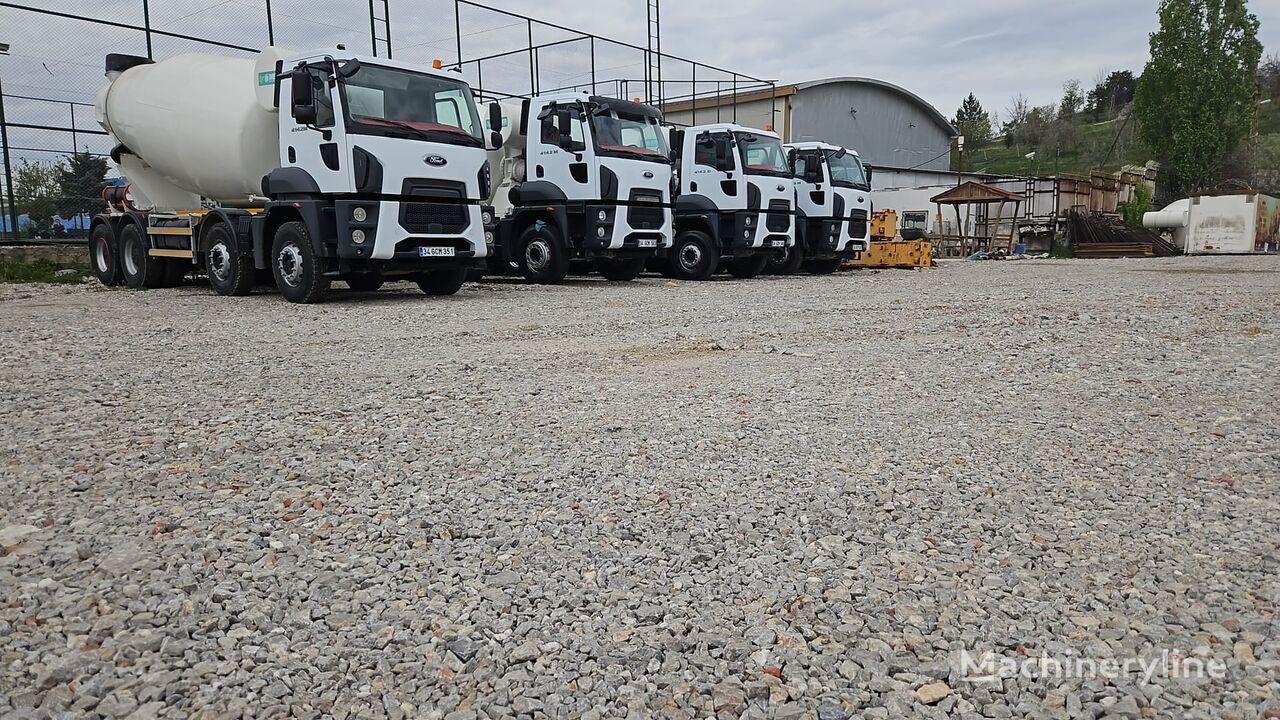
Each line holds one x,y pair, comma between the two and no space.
56,156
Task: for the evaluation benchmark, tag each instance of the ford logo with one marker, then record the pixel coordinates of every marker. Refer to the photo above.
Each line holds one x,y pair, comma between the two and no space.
781,188
435,160
648,175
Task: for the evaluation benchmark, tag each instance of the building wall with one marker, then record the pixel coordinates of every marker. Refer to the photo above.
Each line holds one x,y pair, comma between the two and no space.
754,114
885,127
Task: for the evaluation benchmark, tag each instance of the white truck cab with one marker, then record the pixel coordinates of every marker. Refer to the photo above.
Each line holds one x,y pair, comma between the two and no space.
581,178
833,208
735,204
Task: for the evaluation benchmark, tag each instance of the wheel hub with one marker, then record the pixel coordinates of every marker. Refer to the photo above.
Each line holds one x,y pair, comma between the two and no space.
289,263
690,256
100,256
220,262
537,254
130,258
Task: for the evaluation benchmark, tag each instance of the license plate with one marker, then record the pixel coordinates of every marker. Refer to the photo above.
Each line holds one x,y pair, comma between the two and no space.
435,252
778,243
647,243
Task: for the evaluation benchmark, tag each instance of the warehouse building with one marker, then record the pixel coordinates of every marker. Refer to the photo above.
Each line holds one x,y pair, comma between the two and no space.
888,125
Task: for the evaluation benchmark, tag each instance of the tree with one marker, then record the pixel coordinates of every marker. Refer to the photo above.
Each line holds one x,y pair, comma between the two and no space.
35,193
1017,111
1072,99
1110,95
973,122
80,185
1195,98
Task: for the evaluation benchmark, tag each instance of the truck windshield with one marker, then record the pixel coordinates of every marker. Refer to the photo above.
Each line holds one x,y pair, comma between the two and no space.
846,169
624,134
387,101
763,155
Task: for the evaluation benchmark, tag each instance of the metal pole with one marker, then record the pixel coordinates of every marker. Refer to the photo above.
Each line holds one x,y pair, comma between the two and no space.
693,95
8,171
271,30
735,97
533,83
74,146
373,30
386,23
146,22
593,65
717,101
457,28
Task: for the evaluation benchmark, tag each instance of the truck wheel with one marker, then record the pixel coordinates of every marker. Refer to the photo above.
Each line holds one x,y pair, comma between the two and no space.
230,273
295,265
542,257
788,263
104,255
621,270
365,282
442,282
748,267
822,266
140,269
693,256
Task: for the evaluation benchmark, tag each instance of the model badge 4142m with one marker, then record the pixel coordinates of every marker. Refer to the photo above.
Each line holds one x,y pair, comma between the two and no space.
315,167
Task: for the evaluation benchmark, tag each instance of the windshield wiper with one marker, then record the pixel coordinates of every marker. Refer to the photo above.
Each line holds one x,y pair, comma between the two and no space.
426,134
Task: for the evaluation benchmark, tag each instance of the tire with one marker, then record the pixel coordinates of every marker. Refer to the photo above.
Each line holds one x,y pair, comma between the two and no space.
295,266
694,256
442,282
365,282
104,255
748,267
541,255
622,270
788,263
141,271
230,273
822,266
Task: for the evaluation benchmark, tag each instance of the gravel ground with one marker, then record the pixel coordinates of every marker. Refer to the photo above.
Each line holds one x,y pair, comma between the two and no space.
782,498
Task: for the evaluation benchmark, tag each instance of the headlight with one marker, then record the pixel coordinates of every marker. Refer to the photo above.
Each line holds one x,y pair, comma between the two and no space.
486,217
359,214
603,216
750,220
600,232
357,237
488,237
746,234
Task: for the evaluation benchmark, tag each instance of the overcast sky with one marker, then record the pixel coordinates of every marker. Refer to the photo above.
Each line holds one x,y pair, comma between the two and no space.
940,49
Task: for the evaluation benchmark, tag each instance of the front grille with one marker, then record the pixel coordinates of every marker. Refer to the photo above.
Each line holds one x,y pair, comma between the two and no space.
646,211
441,212
779,217
858,224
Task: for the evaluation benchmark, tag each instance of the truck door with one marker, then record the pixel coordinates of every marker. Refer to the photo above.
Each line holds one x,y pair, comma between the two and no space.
813,190
569,164
318,146
711,170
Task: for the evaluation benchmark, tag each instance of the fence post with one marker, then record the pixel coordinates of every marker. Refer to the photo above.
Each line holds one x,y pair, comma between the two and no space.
271,30
8,172
146,24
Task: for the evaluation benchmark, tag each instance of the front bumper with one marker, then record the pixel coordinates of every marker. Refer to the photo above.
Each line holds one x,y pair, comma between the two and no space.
385,238
751,233
627,230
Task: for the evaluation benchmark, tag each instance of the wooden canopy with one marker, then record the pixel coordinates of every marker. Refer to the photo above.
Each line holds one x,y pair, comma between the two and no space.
975,192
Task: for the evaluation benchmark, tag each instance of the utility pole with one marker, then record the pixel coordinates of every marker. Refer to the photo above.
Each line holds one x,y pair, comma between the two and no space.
8,161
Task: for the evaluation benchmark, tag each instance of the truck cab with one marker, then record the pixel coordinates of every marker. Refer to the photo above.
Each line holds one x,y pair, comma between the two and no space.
735,203
583,179
833,208
386,163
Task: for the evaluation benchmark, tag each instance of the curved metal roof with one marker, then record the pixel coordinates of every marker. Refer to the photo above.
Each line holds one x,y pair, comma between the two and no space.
923,104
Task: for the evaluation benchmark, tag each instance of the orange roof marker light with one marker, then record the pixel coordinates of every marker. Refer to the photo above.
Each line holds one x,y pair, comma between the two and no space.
437,64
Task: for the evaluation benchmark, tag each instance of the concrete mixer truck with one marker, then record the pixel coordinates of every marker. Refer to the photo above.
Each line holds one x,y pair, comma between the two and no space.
833,208
582,180
311,168
736,202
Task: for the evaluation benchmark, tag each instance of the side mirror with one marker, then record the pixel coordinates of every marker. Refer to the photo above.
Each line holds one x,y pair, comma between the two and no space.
813,174
349,68
302,98
495,139
791,160
722,152
867,170
564,122
495,117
